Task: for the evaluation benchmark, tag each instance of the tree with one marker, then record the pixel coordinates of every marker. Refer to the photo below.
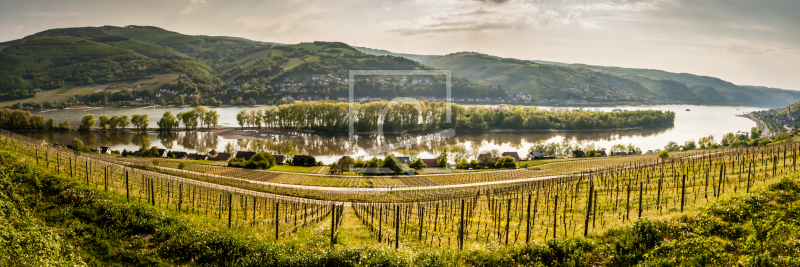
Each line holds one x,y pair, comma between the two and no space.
179,100
141,121
417,164
458,152
664,155
201,111
229,148
251,101
105,120
188,118
618,148
196,100
77,144
242,118
672,146
441,160
114,122
87,122
123,121
689,145
211,118
754,133
394,164
168,122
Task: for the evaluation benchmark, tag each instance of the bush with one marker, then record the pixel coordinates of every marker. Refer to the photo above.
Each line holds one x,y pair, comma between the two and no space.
505,162
261,160
417,164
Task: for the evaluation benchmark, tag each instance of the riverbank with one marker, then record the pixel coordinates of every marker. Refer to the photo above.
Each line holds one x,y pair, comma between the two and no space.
765,133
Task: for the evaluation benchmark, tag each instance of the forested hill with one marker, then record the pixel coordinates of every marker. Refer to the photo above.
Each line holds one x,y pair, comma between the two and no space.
685,86
597,84
594,83
542,81
210,65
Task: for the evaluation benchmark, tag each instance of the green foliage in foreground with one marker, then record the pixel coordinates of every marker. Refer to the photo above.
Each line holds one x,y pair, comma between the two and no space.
48,220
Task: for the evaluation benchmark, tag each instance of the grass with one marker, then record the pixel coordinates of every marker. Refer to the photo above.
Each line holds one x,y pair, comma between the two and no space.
289,168
65,88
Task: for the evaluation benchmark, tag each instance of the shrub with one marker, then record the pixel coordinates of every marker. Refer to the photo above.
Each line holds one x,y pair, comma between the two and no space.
261,160
506,162
417,164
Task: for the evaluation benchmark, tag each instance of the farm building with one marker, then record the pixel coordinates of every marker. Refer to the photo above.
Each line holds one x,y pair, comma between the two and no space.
429,162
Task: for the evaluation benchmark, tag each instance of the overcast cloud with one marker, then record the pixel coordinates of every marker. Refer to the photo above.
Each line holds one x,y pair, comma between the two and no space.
745,42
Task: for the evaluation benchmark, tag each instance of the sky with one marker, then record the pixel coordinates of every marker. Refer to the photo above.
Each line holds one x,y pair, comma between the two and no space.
745,42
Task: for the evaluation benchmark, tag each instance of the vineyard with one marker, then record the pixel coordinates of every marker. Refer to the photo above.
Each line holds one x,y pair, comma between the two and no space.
602,194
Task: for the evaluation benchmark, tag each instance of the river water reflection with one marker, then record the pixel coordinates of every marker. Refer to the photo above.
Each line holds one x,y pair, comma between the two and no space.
700,121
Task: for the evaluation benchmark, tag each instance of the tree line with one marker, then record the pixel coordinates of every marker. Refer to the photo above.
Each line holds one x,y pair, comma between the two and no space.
329,116
11,119
190,119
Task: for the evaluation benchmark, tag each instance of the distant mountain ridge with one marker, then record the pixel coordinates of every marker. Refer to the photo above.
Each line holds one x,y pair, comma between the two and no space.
210,66
213,65
521,76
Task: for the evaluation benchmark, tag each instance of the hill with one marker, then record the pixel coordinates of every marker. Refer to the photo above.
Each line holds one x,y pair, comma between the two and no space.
226,68
545,79
542,81
704,89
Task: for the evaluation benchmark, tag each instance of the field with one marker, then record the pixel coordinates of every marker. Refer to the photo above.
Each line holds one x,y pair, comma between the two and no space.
70,89
593,217
288,168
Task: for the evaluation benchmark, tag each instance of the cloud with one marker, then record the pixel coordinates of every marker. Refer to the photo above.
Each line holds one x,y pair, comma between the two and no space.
625,5
307,21
193,5
54,14
753,27
493,1
483,19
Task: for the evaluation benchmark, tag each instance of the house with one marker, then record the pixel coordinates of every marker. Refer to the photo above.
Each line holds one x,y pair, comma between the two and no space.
576,154
483,157
431,163
180,154
279,159
69,146
601,153
245,155
620,154
137,153
404,160
162,152
512,154
221,157
104,150
537,154
649,152
195,156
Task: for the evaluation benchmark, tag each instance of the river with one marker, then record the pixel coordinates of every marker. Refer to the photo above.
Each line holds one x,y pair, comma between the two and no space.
700,121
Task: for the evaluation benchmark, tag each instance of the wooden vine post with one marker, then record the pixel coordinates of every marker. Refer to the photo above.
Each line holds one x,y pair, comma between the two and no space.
461,228
683,191
588,211
555,216
397,227
127,190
